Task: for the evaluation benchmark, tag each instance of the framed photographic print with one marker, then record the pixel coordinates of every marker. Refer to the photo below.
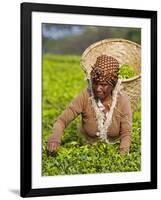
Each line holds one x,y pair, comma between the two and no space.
88,99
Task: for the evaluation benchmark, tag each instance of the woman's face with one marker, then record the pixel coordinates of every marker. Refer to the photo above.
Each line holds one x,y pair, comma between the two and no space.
101,90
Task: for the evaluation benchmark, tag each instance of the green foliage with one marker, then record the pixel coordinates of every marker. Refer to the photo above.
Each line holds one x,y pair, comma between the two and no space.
126,71
62,80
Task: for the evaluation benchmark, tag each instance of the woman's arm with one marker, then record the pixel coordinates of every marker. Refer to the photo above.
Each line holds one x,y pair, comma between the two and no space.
126,125
68,115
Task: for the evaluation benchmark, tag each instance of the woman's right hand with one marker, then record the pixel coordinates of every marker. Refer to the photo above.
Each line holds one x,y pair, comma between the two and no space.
52,145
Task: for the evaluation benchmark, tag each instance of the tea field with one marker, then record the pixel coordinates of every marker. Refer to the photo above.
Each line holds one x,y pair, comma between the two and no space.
63,79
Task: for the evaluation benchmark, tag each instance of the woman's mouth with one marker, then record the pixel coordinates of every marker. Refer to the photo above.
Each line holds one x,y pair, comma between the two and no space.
99,93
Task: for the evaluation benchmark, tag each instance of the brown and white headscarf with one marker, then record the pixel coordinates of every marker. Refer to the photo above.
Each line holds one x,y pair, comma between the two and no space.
105,70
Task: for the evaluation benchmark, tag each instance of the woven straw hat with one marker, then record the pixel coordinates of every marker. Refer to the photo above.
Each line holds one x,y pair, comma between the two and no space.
125,52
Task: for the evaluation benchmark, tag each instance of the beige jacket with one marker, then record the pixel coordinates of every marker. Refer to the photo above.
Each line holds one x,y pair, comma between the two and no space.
121,126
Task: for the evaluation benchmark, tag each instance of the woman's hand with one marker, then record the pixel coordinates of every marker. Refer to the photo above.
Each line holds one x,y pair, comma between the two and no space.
52,145
124,151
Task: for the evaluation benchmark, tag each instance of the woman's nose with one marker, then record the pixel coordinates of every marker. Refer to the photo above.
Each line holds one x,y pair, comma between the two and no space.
99,88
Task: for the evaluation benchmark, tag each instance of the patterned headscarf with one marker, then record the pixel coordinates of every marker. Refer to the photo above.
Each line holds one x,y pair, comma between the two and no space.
105,70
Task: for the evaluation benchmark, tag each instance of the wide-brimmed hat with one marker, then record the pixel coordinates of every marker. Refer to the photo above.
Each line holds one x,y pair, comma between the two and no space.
125,52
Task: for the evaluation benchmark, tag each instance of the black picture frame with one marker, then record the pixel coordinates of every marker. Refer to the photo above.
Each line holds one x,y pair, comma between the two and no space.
26,189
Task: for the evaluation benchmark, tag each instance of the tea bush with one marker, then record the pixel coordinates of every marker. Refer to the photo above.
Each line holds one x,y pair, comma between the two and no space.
62,80
126,71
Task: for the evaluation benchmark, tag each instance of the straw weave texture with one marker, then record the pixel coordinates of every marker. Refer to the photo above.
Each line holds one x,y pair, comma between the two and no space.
126,52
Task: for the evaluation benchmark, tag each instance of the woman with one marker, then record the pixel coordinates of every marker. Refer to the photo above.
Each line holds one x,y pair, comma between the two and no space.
105,109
